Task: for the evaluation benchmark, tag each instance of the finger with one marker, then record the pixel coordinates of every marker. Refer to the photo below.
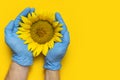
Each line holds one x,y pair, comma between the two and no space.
23,13
9,28
66,38
32,10
59,18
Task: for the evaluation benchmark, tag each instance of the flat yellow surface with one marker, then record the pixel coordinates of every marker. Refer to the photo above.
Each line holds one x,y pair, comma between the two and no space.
94,25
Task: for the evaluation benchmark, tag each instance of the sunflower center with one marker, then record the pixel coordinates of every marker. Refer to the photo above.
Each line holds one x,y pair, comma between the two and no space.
42,31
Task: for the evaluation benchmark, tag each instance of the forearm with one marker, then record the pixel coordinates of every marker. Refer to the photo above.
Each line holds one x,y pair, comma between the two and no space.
52,75
17,72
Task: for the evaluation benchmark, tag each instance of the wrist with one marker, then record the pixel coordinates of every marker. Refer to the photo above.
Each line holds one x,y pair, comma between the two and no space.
19,67
52,75
51,71
23,60
52,65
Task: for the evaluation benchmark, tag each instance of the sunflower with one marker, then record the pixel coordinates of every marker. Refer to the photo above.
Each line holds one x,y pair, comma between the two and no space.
40,32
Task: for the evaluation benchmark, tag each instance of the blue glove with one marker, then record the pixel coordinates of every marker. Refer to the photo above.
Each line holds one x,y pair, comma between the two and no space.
21,54
55,55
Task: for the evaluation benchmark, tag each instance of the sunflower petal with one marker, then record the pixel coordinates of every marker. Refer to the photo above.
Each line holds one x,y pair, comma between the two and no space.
44,16
57,39
38,50
25,26
60,25
45,49
26,20
34,53
34,46
50,20
58,34
19,32
40,47
28,41
21,29
37,13
55,23
24,36
29,16
51,44
30,46
34,17
58,29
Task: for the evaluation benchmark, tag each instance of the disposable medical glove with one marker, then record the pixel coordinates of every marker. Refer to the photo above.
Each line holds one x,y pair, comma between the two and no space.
55,55
21,55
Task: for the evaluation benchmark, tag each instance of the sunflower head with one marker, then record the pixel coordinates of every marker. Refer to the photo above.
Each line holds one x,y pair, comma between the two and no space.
40,32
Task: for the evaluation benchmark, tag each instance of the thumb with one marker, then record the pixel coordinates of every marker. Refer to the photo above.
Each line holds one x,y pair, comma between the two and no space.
66,38
9,28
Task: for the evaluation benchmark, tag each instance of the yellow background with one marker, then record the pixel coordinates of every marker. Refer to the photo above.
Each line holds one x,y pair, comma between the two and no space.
94,25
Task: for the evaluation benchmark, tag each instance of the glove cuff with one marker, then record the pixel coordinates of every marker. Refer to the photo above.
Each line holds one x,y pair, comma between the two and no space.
23,60
52,65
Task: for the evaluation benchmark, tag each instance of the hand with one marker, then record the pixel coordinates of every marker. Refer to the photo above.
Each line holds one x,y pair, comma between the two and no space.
55,55
21,54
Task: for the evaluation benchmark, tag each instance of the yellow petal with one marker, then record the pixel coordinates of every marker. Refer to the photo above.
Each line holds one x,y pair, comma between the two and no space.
34,46
19,32
51,44
21,29
55,24
29,16
24,36
44,16
27,31
33,14
28,40
58,34
58,29
60,25
34,53
25,26
37,13
45,49
51,16
41,17
38,50
57,39
34,17
30,45
26,20
50,20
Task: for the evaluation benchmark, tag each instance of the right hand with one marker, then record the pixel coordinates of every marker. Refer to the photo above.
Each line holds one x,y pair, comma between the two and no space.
21,54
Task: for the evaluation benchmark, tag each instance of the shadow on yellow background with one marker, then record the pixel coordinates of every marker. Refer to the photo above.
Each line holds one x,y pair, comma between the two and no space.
94,51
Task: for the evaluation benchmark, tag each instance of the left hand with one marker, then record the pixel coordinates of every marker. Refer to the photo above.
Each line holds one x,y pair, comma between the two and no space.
56,54
21,54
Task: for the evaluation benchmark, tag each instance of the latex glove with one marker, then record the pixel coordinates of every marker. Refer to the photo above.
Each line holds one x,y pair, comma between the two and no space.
55,55
21,54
